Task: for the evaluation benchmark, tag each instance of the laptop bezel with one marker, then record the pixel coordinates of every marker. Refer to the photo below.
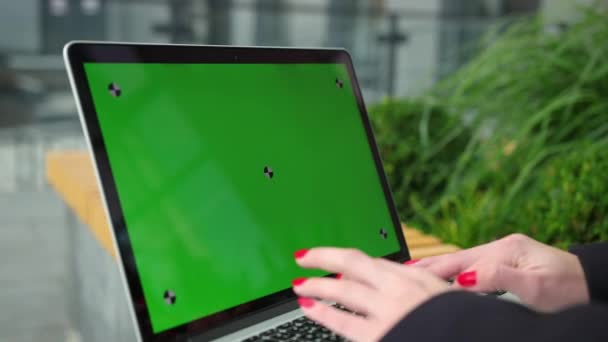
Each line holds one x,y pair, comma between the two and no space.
76,54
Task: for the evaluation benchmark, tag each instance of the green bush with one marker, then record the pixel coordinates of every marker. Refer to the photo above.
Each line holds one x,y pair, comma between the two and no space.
481,154
419,143
571,202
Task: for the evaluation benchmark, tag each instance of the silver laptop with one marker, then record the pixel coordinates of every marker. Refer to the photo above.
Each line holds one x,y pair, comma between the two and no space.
215,164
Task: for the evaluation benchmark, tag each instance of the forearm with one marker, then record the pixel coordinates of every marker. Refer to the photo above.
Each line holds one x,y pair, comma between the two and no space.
460,316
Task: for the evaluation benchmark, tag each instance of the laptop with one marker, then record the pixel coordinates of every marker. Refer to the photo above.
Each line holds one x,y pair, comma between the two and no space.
215,164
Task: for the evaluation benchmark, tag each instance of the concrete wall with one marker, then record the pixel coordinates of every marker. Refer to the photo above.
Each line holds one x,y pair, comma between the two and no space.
136,21
23,19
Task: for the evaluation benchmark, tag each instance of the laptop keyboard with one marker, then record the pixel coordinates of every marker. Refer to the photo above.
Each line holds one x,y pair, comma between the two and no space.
299,329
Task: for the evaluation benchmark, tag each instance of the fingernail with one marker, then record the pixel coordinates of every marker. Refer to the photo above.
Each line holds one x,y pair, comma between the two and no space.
411,262
300,253
298,281
306,302
467,279
339,276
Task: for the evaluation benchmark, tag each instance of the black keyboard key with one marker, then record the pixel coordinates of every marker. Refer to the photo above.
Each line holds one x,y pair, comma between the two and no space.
300,329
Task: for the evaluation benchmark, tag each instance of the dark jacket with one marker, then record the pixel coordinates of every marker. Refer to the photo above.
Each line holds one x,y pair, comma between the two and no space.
461,316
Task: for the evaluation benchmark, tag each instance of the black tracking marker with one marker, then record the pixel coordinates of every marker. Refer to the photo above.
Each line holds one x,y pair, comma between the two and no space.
114,89
383,233
339,83
268,172
169,297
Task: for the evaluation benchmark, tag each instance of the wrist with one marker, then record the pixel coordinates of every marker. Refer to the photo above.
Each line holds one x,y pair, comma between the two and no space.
578,286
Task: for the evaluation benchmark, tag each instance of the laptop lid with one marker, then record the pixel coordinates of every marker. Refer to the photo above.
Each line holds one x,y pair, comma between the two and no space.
217,163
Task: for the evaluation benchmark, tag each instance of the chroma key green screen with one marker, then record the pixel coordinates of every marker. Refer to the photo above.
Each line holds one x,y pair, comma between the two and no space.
224,170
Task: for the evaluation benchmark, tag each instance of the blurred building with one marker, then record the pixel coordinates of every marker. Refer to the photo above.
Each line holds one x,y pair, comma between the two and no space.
400,46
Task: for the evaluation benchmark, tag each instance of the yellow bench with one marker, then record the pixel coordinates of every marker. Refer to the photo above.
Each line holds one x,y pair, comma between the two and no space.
71,174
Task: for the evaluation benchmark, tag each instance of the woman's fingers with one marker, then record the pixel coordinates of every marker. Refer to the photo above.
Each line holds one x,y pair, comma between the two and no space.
396,274
352,295
449,265
444,266
351,263
352,327
490,277
383,291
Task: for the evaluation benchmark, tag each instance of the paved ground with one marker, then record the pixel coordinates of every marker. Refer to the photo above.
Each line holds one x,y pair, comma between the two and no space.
32,267
33,258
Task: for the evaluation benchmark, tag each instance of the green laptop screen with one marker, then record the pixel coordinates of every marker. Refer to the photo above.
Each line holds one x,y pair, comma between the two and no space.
224,170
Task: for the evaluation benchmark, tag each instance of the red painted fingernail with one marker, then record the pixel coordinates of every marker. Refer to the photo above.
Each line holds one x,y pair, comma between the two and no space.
339,276
298,281
306,302
300,253
411,262
467,279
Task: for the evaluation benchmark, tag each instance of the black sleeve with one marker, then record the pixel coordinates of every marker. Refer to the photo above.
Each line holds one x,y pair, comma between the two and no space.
460,316
594,259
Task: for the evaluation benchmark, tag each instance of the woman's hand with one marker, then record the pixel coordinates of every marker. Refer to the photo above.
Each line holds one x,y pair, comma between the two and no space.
543,277
381,291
